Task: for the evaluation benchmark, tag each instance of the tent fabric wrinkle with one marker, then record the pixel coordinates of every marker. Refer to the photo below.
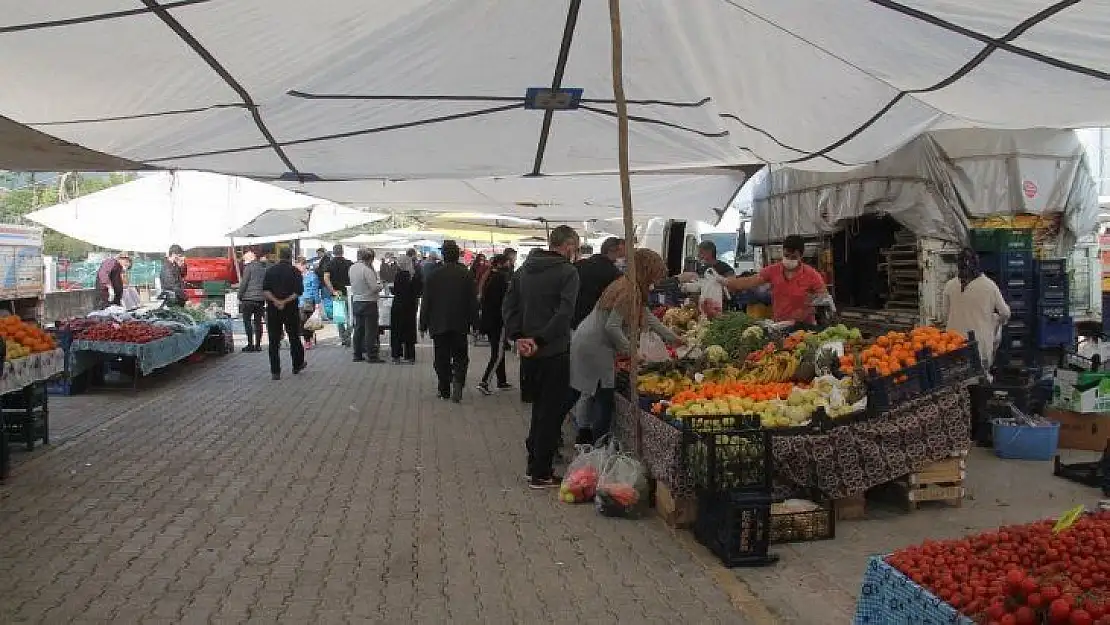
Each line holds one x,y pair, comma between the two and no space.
423,89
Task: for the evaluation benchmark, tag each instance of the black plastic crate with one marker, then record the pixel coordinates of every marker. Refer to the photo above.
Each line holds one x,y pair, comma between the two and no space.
799,527
993,401
1007,263
735,459
67,385
1053,290
1018,327
27,398
1052,310
957,366
1023,308
1052,266
900,386
736,527
1014,284
1017,342
1014,357
1094,474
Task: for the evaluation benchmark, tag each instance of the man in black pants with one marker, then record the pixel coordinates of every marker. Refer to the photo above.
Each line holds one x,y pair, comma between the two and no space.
448,312
281,287
538,311
492,324
252,304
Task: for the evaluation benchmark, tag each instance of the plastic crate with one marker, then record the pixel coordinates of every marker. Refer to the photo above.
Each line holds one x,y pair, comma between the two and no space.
990,402
1014,342
957,366
1094,474
736,527
1018,327
30,397
1016,240
1052,266
1007,263
798,527
1023,308
1012,285
1024,442
1014,358
1055,332
1052,310
736,459
65,386
900,386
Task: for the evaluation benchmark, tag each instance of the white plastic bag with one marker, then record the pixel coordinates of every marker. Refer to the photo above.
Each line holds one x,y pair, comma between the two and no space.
622,489
652,348
711,300
580,483
315,321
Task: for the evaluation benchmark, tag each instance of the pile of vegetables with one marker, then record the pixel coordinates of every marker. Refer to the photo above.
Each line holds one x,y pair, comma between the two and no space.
126,332
22,339
1044,572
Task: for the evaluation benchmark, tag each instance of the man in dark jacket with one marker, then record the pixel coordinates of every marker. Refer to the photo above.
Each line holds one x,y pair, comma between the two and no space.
252,304
172,276
282,286
110,275
449,311
337,279
492,323
538,311
595,274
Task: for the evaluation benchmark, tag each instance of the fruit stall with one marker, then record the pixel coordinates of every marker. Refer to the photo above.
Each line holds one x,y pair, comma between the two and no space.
1050,571
28,354
139,342
757,434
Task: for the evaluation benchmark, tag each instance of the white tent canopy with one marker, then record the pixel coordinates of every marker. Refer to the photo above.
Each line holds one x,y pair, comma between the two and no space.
306,221
559,199
357,89
191,209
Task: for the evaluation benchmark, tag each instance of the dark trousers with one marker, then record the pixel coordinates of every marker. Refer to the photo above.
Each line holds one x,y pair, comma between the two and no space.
452,356
400,347
366,338
287,320
601,408
496,357
552,399
252,313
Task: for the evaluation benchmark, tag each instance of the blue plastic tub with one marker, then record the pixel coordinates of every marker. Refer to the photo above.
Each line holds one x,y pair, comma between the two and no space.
1016,442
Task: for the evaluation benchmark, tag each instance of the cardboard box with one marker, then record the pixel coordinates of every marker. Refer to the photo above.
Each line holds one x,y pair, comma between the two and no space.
1081,392
1081,430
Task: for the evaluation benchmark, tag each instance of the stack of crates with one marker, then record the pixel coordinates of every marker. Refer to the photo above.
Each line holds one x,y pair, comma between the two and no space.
1006,256
1055,327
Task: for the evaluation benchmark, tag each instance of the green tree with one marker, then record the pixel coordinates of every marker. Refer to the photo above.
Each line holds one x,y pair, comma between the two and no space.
29,192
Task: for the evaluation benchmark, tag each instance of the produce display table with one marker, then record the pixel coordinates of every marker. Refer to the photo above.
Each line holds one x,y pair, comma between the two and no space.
888,596
843,462
22,372
84,355
854,457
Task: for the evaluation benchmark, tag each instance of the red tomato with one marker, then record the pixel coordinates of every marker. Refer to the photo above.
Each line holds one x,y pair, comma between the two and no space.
1059,611
1025,616
1080,617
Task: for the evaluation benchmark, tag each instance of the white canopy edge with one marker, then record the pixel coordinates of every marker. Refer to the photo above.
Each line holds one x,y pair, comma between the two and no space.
359,89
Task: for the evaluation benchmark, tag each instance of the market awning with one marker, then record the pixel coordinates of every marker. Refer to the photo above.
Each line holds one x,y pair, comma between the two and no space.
191,209
307,221
466,88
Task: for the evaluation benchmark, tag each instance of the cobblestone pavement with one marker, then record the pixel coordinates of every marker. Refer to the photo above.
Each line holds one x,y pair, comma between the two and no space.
347,494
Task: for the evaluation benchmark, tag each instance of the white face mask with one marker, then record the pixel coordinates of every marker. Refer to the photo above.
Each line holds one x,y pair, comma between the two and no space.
790,263
621,264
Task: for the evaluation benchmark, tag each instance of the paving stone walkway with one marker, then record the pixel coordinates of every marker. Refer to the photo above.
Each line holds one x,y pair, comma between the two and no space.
346,494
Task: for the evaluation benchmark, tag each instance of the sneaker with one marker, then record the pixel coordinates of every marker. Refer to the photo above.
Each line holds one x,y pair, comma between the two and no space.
395,361
504,386
375,360
541,483
408,361
485,390
247,348
299,369
358,359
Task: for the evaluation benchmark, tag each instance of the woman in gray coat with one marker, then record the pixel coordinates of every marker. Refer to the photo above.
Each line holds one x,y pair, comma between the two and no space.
603,335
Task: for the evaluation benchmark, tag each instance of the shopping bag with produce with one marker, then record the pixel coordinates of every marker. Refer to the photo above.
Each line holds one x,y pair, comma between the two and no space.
711,298
580,483
315,321
622,489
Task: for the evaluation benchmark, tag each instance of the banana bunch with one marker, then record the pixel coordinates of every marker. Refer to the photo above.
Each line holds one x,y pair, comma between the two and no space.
779,367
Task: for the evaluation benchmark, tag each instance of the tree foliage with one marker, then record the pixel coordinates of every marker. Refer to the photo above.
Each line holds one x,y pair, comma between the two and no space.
22,193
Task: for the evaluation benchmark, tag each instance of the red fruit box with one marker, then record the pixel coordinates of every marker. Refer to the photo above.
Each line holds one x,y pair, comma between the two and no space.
888,596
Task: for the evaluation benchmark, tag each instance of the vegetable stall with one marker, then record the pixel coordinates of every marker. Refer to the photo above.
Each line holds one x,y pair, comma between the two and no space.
756,433
141,342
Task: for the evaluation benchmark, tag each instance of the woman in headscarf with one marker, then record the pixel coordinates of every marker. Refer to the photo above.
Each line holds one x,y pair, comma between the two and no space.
973,303
407,286
604,334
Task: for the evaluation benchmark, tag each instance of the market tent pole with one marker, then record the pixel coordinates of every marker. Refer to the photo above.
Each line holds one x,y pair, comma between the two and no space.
235,260
626,204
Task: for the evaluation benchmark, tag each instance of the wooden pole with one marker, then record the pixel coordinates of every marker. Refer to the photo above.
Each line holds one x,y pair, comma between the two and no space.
626,203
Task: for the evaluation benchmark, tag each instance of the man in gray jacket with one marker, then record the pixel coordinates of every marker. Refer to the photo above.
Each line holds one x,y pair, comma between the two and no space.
252,304
538,310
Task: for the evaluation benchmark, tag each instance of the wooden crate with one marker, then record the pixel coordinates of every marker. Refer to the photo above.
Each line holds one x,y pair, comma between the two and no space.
851,508
676,513
946,471
951,493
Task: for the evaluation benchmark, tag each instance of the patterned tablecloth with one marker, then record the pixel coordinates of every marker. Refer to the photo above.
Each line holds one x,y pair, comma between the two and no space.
846,461
83,355
887,597
22,372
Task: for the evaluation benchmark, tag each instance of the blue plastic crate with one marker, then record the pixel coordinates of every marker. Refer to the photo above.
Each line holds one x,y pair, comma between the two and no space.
1055,332
1022,308
1052,266
1052,309
1007,263
1014,285
1022,442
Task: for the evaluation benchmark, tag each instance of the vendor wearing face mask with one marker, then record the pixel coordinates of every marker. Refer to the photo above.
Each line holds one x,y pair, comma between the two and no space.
794,284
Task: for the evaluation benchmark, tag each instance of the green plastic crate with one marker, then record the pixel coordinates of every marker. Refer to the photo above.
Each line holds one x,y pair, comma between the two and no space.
984,239
214,288
1001,240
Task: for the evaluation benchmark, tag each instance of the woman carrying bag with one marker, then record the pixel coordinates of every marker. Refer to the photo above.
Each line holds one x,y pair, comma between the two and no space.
603,335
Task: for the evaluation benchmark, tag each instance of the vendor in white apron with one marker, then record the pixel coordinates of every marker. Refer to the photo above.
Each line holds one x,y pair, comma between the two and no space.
973,303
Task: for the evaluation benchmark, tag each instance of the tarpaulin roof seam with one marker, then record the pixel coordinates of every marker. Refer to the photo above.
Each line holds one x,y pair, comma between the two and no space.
98,17
556,82
97,120
183,33
964,70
